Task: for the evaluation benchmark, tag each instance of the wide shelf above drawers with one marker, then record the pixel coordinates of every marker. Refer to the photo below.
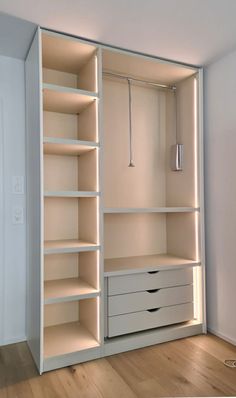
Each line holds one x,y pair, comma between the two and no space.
137,264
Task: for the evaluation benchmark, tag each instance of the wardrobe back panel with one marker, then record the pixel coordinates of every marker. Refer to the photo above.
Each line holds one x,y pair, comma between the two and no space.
144,184
60,173
56,314
81,126
61,218
58,266
60,125
72,265
59,78
71,173
134,234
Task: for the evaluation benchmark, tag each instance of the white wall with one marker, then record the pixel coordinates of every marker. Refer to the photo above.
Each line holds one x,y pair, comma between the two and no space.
12,237
220,190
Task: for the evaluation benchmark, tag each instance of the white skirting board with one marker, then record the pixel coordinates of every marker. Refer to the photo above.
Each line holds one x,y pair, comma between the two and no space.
151,337
71,359
222,336
125,343
13,340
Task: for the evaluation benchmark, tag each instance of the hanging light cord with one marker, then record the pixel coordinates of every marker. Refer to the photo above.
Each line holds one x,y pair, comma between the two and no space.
131,162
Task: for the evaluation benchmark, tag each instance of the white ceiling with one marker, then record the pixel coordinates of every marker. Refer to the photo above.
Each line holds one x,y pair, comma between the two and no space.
191,31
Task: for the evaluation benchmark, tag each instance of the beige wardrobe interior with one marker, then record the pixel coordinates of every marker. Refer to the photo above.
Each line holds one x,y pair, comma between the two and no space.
139,202
135,201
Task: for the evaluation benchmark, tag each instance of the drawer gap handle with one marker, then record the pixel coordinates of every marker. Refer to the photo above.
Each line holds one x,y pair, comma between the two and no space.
153,310
152,290
153,272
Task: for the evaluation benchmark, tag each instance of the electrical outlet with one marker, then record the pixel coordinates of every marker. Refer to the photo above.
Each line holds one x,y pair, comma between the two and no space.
17,215
18,185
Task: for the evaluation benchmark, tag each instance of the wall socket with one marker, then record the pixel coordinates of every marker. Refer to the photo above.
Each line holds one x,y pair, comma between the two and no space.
18,185
17,215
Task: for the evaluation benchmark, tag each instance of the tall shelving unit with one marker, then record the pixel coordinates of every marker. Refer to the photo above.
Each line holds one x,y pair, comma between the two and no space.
68,98
115,253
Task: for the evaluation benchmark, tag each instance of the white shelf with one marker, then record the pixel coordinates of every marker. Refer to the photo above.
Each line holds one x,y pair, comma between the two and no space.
67,338
71,194
68,246
66,99
122,210
157,262
70,289
62,146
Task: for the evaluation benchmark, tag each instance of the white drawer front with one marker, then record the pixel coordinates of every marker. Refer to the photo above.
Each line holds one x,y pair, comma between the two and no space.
133,302
146,281
137,321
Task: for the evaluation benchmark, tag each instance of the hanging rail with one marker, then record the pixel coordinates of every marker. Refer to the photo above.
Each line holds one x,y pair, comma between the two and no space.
134,79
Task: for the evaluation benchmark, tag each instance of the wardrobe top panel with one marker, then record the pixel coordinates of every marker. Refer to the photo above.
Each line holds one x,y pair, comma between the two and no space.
65,53
143,67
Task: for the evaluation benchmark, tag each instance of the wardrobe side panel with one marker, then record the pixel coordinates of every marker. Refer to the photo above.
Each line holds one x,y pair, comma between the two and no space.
34,201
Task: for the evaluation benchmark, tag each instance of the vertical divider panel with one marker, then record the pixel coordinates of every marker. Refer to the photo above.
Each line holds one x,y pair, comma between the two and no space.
100,300
33,73
200,131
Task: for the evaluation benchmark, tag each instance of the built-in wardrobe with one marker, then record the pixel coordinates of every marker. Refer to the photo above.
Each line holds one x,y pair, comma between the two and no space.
114,200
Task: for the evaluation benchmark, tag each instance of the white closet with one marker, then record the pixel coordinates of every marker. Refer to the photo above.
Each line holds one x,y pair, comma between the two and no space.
115,253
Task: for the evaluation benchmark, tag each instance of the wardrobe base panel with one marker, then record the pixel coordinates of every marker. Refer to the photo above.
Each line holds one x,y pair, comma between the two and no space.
62,361
133,341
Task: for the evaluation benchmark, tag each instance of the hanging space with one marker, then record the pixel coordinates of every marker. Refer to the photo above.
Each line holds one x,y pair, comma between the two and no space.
152,209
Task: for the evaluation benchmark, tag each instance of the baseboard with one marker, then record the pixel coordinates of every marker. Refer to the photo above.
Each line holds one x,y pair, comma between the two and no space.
134,341
13,340
222,336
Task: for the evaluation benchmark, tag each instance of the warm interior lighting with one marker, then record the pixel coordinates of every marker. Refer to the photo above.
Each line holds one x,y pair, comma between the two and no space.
98,203
98,320
196,270
96,73
98,269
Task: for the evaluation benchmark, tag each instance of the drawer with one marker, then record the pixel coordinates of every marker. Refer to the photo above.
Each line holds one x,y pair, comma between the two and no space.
133,302
149,280
137,321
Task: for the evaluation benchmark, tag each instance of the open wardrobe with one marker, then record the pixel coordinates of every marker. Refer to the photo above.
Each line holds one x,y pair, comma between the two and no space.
115,200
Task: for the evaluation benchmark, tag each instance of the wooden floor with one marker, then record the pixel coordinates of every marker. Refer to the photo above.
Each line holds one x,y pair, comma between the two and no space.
188,367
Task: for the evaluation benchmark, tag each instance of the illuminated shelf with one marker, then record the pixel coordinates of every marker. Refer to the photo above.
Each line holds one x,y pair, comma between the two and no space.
122,210
65,99
68,246
157,262
62,146
71,194
67,338
70,289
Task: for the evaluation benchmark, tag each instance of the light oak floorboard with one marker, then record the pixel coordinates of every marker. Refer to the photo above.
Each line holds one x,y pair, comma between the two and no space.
191,367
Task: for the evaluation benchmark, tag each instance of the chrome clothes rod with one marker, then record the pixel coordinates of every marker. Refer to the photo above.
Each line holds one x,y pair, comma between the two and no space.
134,79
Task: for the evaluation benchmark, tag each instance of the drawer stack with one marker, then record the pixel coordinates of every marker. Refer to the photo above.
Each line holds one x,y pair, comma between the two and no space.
148,300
